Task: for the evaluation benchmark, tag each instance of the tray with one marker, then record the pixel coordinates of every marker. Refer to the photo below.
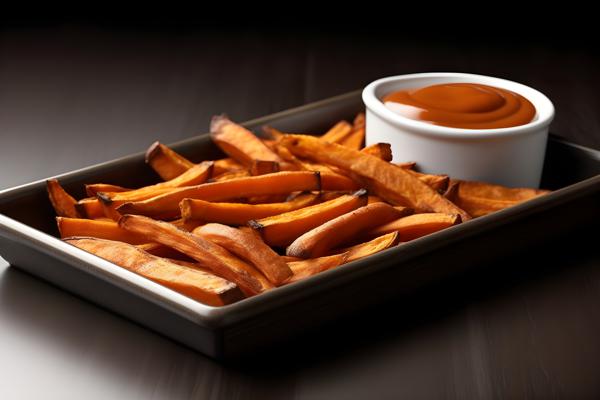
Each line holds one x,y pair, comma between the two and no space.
28,241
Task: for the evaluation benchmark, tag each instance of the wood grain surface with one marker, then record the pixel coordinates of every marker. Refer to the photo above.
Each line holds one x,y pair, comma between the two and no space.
527,326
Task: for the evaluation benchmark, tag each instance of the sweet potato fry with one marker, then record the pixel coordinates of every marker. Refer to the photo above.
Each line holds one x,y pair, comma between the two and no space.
335,181
167,205
208,254
337,133
389,181
90,208
307,268
69,227
417,225
63,203
281,230
478,198
261,167
379,150
198,174
242,145
226,165
366,249
322,239
194,283
230,175
439,183
356,139
240,213
250,248
167,163
93,189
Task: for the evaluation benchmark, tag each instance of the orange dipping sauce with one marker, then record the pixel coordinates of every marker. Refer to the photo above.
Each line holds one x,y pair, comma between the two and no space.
462,105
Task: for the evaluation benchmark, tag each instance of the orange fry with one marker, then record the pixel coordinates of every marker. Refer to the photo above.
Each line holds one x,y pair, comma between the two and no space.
166,162
388,181
167,205
417,225
63,203
366,249
208,254
192,282
322,239
306,268
337,133
249,247
243,146
282,229
240,213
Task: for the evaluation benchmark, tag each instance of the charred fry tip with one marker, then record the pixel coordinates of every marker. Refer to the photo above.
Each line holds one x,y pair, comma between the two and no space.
255,225
80,208
361,193
124,208
458,219
151,152
319,183
104,198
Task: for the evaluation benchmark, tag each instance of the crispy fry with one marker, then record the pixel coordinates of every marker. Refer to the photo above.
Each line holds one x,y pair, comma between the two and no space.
307,268
167,205
166,162
417,225
243,146
281,230
337,133
93,189
225,176
198,174
438,183
69,227
226,165
208,254
249,247
366,249
194,283
335,181
387,181
320,240
379,150
479,198
240,213
261,167
356,139
63,203
90,208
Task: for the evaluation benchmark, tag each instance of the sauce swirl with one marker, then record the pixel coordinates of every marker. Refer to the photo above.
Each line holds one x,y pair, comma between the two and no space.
462,105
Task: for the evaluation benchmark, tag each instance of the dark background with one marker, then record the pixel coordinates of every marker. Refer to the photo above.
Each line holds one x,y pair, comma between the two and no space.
80,89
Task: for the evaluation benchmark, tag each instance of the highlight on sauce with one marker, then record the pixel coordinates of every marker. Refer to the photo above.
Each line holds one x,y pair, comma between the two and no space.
462,105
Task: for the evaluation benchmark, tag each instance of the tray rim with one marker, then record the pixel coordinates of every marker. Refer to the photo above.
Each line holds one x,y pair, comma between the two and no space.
222,316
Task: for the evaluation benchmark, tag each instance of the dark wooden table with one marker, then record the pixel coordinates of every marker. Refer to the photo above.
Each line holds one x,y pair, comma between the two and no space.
527,326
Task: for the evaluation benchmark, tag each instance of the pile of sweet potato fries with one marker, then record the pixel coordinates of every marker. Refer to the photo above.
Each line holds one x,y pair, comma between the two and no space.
279,209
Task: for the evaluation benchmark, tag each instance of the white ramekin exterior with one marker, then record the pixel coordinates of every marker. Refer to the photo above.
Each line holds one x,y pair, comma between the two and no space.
507,156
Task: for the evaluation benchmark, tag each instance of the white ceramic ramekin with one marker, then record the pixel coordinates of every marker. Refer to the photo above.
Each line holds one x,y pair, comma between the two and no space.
508,156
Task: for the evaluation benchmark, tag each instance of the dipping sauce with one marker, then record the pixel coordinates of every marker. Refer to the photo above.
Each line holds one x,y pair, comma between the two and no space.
462,105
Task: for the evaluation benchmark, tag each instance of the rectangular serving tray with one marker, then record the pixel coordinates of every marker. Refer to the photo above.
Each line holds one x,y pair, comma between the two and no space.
28,240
